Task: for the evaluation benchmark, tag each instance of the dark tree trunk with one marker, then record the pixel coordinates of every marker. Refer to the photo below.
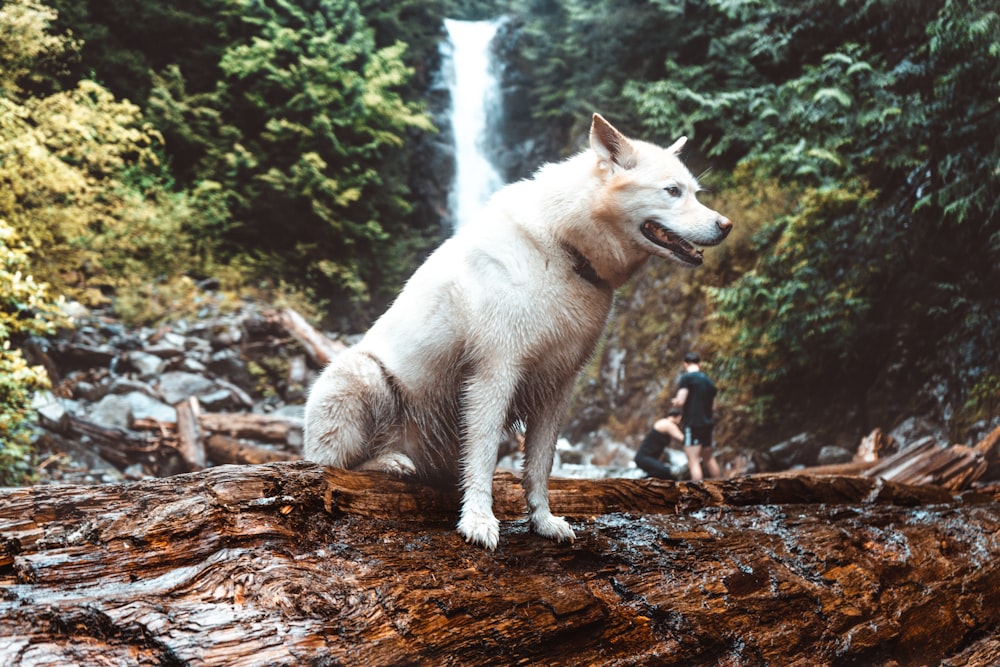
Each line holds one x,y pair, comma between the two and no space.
283,564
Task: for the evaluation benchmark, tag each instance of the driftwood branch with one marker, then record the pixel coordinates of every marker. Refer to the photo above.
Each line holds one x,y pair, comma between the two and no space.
190,443
269,428
954,468
223,449
198,437
288,564
320,348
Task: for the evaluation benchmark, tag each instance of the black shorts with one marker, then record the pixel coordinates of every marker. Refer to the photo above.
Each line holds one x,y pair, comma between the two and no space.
698,436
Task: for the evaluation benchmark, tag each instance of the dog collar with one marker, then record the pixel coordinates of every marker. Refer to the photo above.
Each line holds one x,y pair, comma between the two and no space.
583,268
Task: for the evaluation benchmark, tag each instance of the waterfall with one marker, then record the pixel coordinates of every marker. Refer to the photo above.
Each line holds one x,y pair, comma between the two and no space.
474,91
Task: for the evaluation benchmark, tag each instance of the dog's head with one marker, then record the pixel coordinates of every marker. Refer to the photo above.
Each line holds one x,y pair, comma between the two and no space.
650,191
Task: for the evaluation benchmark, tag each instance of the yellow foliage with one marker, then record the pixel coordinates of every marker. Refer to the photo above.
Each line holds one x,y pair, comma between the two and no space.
87,127
26,309
751,201
64,190
24,39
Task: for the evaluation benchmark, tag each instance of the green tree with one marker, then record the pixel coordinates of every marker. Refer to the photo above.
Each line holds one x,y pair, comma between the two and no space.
124,42
84,186
84,183
308,128
882,128
891,125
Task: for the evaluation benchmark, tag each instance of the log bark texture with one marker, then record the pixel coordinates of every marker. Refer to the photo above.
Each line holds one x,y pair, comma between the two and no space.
288,564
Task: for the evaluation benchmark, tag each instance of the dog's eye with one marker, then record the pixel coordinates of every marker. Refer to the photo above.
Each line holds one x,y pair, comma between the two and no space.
673,190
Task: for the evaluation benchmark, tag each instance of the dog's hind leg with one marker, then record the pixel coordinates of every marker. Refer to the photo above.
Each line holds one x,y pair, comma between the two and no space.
539,449
351,403
392,462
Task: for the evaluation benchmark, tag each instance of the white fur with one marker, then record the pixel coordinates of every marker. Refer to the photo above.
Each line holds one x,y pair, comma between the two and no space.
494,327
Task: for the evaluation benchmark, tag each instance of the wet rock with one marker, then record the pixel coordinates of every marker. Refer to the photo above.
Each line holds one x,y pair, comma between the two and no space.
136,472
228,364
120,339
571,456
218,400
191,366
292,411
613,454
175,340
83,355
226,337
89,391
127,386
915,429
736,462
52,415
799,450
176,386
240,397
165,351
113,411
831,454
145,364
121,410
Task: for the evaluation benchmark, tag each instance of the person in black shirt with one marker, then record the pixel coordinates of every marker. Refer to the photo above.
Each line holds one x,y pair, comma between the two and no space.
696,396
658,439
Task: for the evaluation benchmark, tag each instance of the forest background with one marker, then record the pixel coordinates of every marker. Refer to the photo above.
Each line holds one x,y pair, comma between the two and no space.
286,150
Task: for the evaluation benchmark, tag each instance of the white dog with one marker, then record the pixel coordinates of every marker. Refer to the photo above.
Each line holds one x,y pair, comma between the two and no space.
492,330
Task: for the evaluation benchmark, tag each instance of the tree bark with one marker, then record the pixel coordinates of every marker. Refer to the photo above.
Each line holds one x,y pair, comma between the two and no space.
288,564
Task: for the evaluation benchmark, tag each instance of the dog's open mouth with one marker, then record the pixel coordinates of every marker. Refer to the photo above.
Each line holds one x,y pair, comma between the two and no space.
681,249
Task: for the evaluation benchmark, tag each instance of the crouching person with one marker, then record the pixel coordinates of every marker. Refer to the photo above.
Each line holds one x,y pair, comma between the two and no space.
664,432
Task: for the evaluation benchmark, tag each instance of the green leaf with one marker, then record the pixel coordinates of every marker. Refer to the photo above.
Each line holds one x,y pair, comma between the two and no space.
835,94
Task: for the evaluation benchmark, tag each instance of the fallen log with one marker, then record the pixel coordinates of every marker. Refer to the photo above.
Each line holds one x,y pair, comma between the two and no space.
320,348
288,564
955,467
197,438
874,446
222,449
190,443
122,448
250,425
850,468
269,428
989,446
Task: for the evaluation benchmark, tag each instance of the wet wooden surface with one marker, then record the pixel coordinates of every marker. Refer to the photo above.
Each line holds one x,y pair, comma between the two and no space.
282,564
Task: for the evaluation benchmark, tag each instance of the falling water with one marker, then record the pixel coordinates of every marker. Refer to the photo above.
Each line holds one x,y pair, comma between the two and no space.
474,91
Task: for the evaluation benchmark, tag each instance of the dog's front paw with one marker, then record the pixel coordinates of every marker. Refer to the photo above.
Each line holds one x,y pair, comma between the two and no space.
480,528
552,527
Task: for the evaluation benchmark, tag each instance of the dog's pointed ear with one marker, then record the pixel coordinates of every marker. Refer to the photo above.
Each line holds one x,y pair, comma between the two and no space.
612,147
676,147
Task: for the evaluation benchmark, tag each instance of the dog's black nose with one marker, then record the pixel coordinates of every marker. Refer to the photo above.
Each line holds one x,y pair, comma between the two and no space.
724,224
